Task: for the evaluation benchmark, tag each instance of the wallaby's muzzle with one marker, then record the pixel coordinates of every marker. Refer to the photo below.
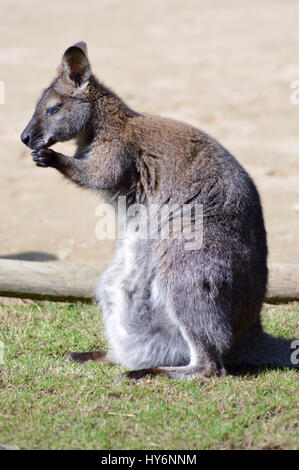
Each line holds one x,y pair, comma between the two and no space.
25,137
33,137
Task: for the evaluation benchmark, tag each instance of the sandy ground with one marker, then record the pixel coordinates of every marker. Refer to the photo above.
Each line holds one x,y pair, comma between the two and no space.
224,66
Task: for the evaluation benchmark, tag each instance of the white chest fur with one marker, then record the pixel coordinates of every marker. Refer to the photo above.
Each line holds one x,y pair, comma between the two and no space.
113,297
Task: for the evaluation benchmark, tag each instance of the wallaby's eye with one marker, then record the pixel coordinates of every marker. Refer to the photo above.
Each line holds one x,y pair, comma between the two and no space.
53,109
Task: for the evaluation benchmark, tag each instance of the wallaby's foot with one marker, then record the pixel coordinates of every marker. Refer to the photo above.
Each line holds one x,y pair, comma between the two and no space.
96,356
44,157
185,372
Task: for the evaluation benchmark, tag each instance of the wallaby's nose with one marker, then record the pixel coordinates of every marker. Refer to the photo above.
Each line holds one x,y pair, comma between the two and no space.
25,138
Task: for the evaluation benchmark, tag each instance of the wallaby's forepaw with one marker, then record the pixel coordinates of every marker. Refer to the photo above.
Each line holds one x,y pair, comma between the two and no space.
44,157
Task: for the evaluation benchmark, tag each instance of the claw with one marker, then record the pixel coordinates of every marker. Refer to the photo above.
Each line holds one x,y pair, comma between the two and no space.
43,157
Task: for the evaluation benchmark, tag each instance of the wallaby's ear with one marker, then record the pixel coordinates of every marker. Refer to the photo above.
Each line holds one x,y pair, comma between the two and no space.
75,64
82,46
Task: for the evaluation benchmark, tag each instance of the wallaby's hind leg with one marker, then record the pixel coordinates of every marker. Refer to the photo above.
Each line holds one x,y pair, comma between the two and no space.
204,321
204,363
183,372
96,356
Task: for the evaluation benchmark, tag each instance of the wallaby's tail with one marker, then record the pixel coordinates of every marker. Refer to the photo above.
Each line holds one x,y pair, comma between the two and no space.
259,348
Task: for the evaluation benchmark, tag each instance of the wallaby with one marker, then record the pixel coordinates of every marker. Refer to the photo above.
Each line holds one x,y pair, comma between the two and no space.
167,310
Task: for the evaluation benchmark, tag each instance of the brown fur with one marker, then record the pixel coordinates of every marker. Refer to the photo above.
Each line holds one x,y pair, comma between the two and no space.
216,291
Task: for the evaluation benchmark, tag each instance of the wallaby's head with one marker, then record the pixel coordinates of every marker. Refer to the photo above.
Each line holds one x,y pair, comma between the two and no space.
63,110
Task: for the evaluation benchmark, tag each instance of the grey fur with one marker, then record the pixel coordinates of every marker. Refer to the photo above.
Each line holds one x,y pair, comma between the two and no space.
166,310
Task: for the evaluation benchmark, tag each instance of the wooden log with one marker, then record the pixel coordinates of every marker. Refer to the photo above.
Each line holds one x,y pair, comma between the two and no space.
53,281
283,285
69,282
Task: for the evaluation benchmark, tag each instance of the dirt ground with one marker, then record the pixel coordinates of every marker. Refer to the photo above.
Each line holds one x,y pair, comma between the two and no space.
225,66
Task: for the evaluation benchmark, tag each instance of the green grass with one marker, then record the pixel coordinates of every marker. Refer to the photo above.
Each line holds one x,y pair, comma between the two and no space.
47,403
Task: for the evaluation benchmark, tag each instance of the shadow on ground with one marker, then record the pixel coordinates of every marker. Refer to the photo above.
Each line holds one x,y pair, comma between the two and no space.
31,256
255,371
